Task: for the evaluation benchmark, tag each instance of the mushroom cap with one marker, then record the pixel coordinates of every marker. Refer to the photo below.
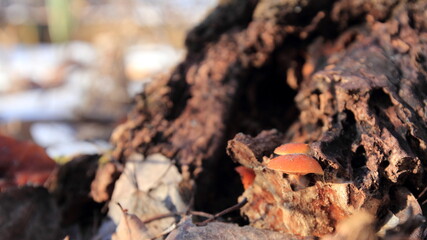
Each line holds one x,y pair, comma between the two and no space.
299,164
247,176
291,148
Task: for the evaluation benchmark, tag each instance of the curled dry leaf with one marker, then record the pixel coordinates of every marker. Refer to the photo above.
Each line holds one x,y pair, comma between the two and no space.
130,227
22,163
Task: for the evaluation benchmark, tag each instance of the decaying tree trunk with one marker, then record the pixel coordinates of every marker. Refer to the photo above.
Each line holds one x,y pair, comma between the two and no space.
348,77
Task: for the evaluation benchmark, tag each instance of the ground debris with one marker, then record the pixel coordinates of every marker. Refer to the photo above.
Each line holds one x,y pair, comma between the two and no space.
28,213
218,230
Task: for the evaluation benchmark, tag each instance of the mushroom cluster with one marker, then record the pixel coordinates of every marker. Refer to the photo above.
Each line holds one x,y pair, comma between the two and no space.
294,160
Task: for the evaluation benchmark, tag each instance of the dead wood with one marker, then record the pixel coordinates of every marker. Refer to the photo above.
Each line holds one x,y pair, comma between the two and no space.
349,75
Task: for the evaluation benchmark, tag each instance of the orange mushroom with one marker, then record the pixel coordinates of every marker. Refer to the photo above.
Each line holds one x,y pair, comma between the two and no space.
247,176
296,165
291,148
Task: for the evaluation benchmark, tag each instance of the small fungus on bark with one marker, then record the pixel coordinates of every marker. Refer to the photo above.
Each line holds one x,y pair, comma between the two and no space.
247,176
291,148
296,165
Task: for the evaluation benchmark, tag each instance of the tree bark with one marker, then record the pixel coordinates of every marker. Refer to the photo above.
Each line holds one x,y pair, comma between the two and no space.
348,77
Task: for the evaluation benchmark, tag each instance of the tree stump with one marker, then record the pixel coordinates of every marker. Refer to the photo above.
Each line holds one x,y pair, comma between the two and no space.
347,77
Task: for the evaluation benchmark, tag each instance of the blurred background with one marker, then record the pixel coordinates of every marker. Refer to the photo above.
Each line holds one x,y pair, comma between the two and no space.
69,69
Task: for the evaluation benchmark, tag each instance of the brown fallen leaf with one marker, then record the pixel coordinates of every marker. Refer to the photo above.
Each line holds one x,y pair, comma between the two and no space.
23,162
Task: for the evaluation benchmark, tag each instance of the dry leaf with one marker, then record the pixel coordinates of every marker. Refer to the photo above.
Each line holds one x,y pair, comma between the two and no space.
148,188
22,163
130,228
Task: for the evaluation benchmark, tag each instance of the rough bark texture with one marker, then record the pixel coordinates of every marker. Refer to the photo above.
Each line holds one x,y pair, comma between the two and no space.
351,77
274,203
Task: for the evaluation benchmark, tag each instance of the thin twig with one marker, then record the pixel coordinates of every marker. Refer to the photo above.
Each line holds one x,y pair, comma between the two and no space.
121,208
232,208
422,193
202,214
223,212
166,231
160,216
166,215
